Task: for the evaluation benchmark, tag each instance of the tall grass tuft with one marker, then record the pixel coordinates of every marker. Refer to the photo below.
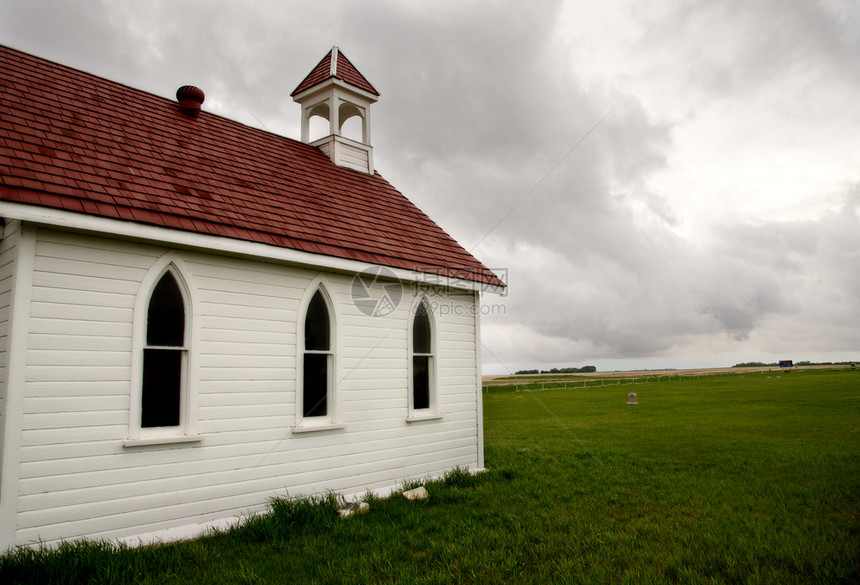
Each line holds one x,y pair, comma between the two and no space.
460,478
288,517
99,562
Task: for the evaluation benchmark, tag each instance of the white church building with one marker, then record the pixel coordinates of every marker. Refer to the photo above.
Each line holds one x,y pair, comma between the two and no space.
197,315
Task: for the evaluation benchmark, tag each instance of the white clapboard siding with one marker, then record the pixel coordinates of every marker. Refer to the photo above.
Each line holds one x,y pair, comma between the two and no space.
224,341
216,337
238,324
49,373
220,391
73,388
78,477
239,397
56,342
368,386
81,403
71,326
71,436
89,472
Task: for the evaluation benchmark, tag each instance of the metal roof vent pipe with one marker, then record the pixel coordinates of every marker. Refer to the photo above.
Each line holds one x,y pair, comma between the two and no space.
190,99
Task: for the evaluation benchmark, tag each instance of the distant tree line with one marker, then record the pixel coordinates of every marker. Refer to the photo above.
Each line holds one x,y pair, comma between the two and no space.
775,364
582,370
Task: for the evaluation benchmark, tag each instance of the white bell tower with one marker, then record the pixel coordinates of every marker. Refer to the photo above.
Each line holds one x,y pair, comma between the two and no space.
336,91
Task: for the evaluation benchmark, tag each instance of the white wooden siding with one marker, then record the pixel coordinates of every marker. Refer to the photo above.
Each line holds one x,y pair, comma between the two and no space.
78,479
346,152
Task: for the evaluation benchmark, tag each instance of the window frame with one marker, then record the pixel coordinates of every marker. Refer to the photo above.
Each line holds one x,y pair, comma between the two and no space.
328,421
432,410
187,430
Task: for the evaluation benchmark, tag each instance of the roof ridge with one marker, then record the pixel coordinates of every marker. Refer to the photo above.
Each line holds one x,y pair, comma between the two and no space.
333,60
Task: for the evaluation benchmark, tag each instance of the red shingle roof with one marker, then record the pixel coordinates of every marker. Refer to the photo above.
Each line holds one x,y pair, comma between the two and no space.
73,141
341,69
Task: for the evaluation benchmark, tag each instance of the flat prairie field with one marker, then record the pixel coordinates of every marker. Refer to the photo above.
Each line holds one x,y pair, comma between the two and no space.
713,479
749,478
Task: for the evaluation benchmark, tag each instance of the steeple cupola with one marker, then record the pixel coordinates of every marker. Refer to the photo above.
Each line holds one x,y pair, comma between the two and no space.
336,91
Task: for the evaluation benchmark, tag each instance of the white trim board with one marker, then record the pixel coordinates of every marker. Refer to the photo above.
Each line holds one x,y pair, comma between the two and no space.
16,376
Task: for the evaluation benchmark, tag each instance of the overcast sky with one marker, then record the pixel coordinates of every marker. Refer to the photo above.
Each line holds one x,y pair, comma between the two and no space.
665,183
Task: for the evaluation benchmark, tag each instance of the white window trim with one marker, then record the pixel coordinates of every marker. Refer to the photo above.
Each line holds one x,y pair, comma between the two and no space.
423,417
432,412
316,427
187,430
171,440
330,421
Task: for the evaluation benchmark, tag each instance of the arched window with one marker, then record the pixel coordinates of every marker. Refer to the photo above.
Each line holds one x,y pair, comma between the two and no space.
422,359
317,359
165,356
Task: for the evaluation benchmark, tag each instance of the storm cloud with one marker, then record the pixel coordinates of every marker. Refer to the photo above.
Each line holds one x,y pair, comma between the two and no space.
665,184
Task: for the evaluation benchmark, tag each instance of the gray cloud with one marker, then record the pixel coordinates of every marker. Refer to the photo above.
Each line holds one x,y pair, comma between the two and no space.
482,102
799,278
738,47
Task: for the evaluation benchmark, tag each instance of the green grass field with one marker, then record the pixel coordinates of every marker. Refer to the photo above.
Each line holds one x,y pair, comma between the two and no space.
725,479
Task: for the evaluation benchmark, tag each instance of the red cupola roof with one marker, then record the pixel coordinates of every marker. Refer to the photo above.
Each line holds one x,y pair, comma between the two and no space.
335,65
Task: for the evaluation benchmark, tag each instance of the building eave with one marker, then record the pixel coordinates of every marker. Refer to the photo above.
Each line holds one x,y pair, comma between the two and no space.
67,220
